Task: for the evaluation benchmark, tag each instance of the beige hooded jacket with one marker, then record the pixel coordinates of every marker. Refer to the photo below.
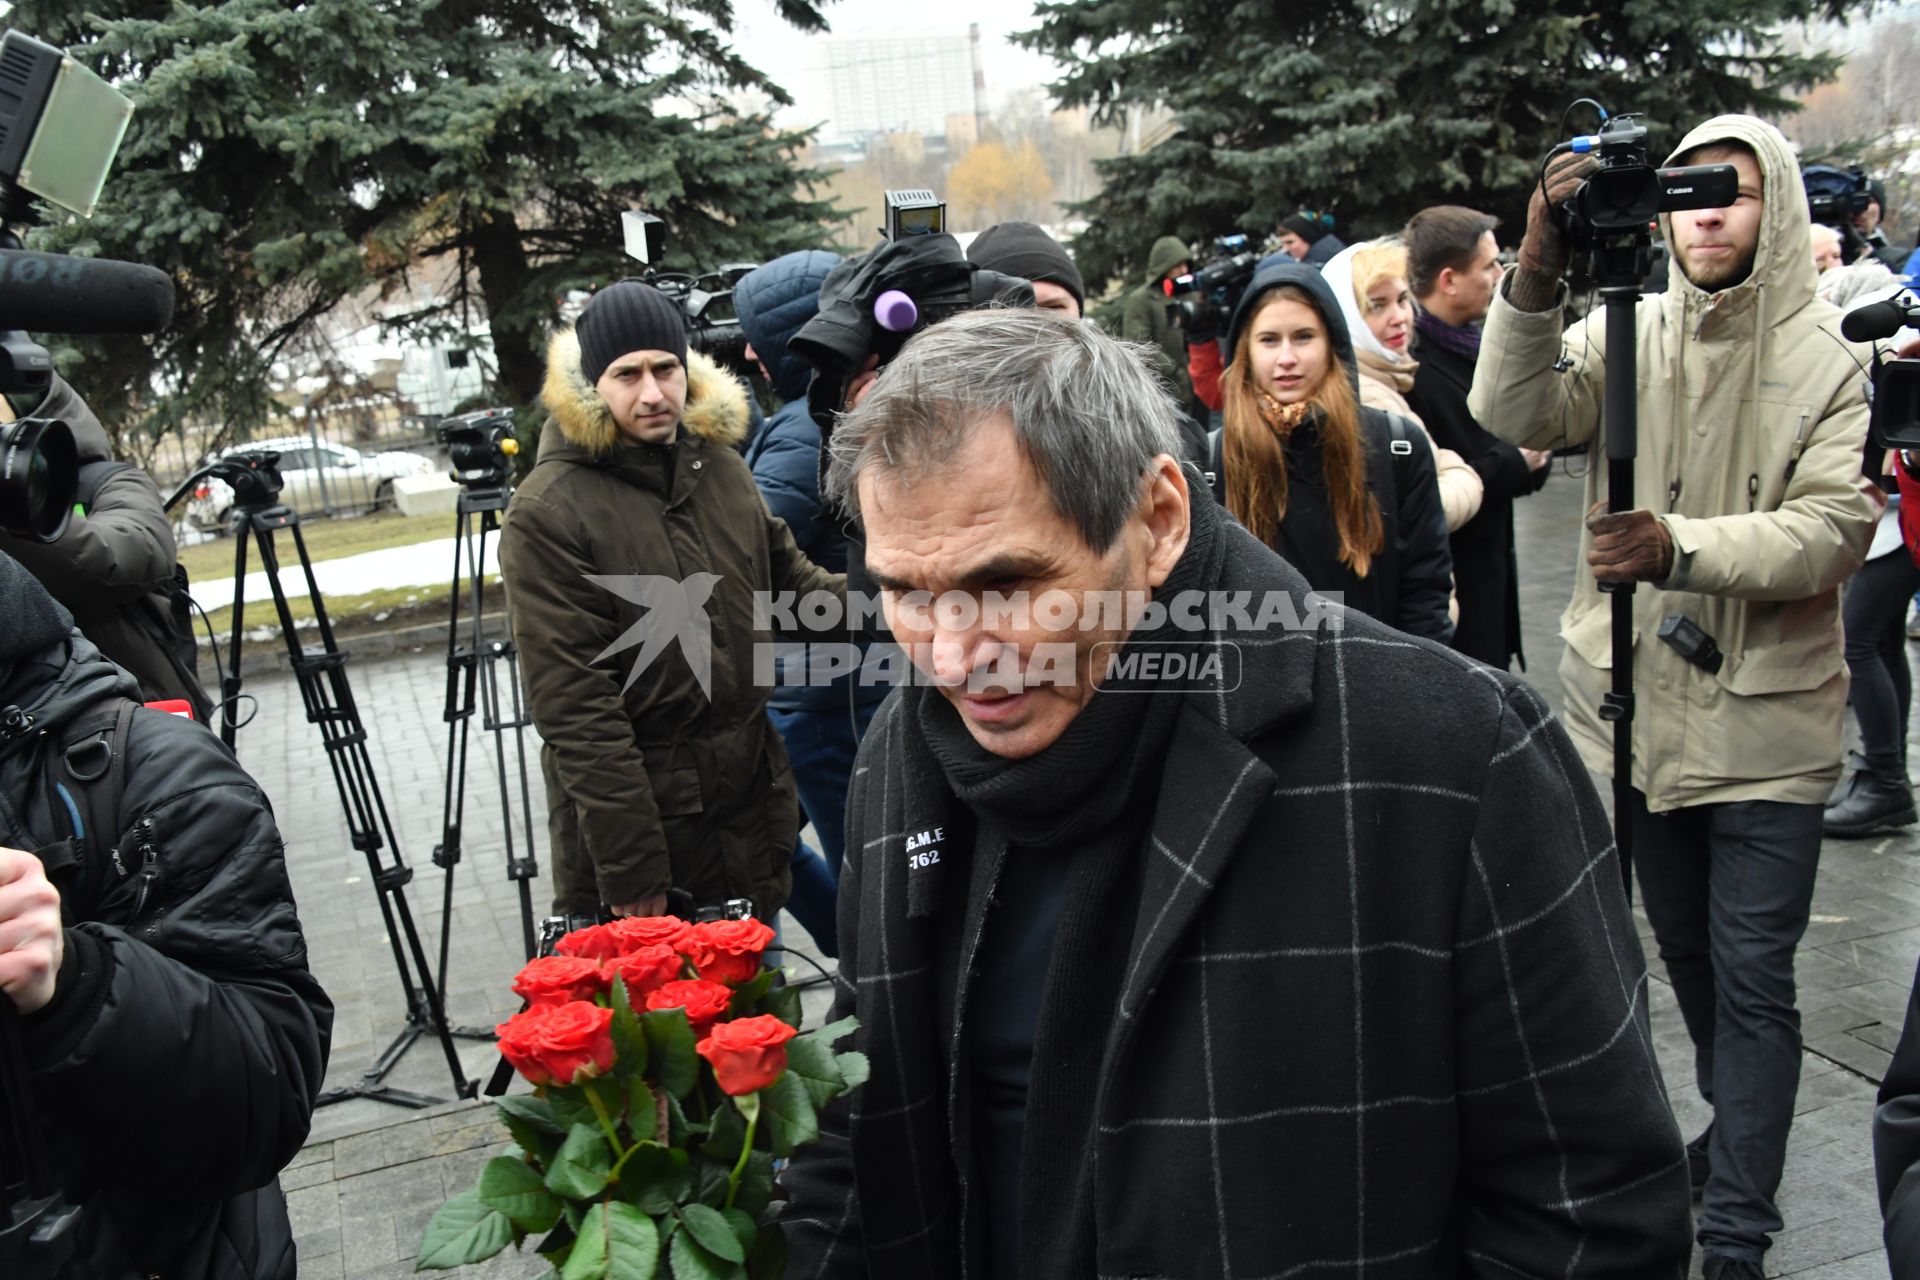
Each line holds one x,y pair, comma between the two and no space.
1752,418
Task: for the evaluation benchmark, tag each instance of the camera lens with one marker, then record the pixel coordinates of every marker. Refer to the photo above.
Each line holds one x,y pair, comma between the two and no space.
39,476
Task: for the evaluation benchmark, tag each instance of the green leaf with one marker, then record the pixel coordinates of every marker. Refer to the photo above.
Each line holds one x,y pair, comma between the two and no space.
515,1188
533,1127
784,1004
643,1113
854,1069
813,1062
588,1261
633,1243
692,1262
787,1113
833,1031
670,1049
463,1231
629,1041
581,1166
729,1135
571,1108
656,1179
711,1229
744,1229
746,999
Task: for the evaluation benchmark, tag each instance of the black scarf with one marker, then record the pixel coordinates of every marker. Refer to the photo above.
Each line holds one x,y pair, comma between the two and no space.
1088,797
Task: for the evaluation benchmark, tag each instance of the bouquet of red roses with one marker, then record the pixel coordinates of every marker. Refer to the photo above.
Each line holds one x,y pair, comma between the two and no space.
669,1074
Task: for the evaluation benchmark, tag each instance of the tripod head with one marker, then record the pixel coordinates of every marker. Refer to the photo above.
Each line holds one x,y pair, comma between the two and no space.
254,477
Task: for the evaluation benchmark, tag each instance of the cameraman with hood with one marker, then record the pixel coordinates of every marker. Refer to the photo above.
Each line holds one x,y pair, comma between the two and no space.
1750,512
115,565
174,1037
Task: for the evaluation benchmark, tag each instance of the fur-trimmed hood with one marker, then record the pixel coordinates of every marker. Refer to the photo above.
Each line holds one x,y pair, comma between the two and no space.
716,402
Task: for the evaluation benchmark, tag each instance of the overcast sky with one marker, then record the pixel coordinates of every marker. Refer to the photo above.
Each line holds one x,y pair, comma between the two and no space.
788,57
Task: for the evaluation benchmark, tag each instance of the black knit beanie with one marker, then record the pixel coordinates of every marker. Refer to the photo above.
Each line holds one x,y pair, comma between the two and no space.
30,619
629,316
1303,226
1024,250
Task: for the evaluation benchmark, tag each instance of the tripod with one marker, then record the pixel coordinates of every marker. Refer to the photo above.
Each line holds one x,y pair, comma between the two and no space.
465,665
1620,264
330,704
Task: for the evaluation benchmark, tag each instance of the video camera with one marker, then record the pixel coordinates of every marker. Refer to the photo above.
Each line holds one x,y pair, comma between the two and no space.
1610,215
60,125
871,305
1895,419
705,299
1201,299
1835,196
482,447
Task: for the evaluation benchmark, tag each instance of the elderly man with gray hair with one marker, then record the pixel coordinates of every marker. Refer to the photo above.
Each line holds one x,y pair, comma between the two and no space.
1196,926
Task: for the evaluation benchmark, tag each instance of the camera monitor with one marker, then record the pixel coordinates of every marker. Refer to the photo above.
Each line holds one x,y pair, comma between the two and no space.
60,124
915,213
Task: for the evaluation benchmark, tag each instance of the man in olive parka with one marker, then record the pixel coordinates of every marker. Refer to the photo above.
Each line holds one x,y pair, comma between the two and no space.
639,532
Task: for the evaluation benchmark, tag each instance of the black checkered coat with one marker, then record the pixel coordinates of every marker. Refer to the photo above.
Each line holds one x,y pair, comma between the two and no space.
1385,1011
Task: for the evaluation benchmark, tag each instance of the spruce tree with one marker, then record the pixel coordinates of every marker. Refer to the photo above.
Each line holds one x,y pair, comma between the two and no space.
1375,110
285,157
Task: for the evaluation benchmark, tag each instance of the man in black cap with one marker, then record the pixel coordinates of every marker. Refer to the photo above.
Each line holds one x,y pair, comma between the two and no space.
632,557
1306,237
1868,223
1023,249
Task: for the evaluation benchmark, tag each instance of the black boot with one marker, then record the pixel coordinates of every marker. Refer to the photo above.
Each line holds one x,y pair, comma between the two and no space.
1870,805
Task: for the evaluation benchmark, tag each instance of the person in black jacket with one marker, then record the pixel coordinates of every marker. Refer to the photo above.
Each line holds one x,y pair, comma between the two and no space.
820,714
1453,266
1310,471
114,567
175,1038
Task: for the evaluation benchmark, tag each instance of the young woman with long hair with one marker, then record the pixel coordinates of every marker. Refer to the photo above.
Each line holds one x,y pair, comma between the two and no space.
1314,474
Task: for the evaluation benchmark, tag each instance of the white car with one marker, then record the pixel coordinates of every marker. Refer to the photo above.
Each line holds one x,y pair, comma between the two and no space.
313,477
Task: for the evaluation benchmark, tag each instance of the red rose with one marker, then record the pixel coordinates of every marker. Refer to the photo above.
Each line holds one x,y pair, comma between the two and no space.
634,932
747,1055
596,942
558,979
559,1043
705,1002
645,970
727,950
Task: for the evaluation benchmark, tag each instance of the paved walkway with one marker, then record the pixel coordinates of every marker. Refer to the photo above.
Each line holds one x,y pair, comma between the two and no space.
372,1174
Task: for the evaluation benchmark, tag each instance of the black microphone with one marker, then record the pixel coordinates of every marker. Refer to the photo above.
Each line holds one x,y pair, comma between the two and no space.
59,293
1877,320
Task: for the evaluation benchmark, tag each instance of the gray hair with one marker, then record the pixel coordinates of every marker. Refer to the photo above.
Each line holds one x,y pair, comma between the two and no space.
1087,411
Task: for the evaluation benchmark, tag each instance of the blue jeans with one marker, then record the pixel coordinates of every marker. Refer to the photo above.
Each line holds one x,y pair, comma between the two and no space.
1727,888
821,746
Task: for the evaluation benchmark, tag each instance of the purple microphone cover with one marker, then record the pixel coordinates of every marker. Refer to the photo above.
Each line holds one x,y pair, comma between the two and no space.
895,311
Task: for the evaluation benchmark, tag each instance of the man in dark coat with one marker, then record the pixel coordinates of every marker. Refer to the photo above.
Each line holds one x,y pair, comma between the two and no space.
114,567
175,1039
631,557
1145,319
1453,266
1305,237
1315,960
820,709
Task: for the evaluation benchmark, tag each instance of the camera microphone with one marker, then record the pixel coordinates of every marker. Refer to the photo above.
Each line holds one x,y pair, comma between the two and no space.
59,293
1877,320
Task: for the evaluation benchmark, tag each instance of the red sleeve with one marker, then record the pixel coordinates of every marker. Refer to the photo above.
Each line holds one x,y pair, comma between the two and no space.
1204,367
1909,507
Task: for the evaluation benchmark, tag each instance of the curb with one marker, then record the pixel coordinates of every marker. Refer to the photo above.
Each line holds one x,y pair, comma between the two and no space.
268,657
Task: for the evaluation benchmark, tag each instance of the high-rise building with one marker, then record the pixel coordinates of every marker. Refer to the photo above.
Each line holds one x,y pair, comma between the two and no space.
892,84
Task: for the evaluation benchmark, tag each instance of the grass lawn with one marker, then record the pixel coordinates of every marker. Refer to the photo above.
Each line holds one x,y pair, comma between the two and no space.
371,610
326,540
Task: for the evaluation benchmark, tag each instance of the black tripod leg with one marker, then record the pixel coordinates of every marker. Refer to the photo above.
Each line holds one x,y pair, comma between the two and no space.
1622,444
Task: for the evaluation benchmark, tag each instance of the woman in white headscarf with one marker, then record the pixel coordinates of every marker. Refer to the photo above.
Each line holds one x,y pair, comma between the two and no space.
1370,282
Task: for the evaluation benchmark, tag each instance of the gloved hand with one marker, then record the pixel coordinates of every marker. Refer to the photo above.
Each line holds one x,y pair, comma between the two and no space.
1633,546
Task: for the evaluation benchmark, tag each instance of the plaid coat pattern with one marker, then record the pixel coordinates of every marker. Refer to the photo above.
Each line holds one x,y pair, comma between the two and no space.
1384,1013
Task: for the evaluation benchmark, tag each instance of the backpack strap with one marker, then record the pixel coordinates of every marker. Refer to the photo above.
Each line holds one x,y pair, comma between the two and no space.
85,773
1401,442
93,477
